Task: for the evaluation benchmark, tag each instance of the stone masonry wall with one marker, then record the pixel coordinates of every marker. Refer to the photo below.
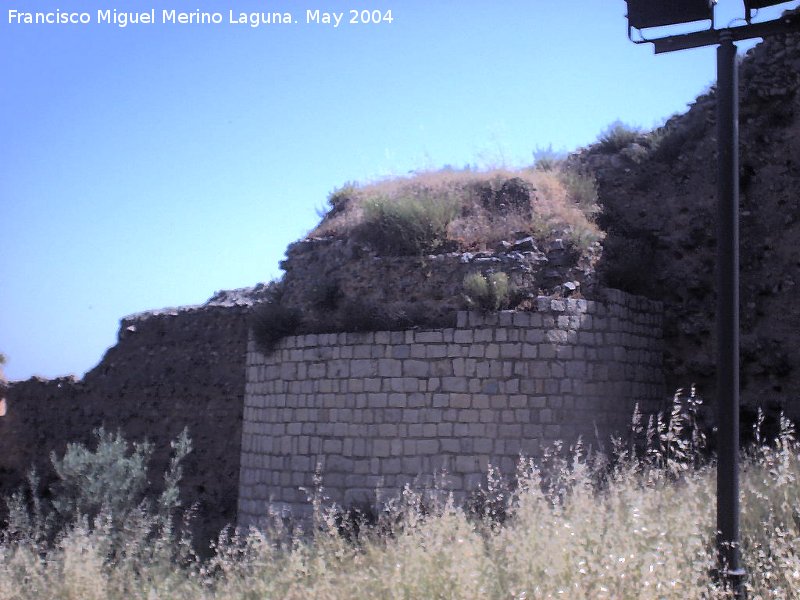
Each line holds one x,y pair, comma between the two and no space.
378,410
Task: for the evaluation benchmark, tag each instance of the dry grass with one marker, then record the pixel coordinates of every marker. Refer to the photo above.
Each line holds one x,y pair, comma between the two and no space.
638,527
562,204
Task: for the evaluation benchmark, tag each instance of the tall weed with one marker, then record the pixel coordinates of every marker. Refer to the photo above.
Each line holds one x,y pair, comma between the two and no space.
636,524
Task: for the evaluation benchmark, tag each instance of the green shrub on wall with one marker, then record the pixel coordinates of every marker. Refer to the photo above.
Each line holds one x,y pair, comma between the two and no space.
407,226
487,292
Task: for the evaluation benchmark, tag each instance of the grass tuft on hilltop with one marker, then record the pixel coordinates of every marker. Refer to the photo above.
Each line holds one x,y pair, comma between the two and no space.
447,210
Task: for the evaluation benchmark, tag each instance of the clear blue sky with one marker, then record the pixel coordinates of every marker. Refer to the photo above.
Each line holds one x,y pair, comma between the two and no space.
148,166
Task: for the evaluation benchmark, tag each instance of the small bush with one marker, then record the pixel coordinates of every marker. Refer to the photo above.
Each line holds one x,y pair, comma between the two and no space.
111,477
487,292
271,322
340,197
677,136
104,489
407,226
636,153
547,159
581,189
475,286
617,136
668,145
499,289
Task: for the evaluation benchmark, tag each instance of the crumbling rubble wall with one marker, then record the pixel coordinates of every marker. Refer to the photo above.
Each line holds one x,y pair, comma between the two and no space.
317,267
170,369
658,198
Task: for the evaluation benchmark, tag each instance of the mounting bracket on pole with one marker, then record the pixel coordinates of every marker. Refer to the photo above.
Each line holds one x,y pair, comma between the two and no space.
644,14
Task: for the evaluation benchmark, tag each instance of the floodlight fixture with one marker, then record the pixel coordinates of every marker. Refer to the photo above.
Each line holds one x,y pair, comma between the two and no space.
754,5
643,14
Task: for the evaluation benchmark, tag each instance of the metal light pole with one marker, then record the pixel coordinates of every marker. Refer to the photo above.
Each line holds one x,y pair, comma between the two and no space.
643,14
728,315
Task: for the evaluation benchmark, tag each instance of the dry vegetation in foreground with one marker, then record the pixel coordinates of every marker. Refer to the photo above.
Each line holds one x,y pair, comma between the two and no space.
465,210
640,526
